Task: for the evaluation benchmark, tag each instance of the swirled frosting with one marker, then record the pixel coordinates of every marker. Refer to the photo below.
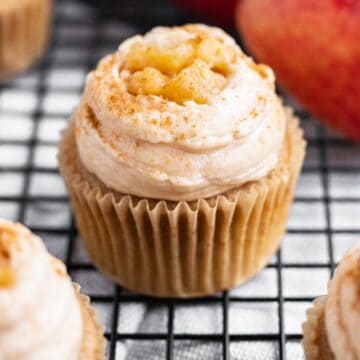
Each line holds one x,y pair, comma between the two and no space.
179,114
342,309
40,315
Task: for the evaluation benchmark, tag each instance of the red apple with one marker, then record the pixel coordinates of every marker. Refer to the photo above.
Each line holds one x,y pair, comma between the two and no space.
314,48
222,11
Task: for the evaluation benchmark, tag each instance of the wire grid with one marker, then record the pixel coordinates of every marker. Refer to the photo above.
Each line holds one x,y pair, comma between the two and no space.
259,320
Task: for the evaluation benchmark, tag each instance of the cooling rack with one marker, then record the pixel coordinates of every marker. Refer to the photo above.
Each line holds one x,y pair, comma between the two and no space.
259,320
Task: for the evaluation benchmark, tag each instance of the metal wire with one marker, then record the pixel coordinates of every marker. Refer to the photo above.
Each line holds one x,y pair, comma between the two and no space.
91,45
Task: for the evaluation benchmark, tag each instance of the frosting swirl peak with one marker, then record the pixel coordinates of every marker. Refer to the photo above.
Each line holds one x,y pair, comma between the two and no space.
179,114
40,315
342,313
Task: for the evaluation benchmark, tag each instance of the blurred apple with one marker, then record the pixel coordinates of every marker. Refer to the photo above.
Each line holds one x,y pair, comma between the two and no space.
222,11
314,48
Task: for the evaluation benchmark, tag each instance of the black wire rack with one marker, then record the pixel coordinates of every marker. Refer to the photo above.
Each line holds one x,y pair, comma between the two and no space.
259,320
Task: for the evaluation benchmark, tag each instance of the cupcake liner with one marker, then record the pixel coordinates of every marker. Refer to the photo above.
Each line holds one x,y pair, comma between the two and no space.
166,248
24,32
93,343
315,343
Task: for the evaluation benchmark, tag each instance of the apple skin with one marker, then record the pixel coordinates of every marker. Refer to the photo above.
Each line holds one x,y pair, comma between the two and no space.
313,47
222,11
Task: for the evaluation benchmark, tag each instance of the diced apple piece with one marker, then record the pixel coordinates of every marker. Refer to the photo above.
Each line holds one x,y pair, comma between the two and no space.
168,61
7,276
216,54
147,81
195,82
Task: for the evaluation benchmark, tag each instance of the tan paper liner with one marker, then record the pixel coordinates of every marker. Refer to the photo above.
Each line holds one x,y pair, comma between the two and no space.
183,249
24,33
315,343
93,343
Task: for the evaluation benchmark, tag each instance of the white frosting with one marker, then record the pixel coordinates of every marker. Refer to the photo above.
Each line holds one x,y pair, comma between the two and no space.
342,311
148,146
40,314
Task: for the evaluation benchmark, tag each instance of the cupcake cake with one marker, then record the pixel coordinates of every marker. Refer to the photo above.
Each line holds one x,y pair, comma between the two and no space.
24,33
43,315
332,327
181,162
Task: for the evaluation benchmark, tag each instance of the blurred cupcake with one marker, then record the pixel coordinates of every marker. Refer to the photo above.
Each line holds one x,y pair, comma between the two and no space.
24,33
181,163
43,315
332,328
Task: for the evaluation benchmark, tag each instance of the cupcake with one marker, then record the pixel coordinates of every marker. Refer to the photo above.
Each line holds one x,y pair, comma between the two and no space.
24,33
181,162
332,327
43,315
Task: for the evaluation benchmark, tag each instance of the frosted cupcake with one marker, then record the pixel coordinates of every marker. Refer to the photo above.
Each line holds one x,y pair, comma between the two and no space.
181,163
332,328
43,315
24,33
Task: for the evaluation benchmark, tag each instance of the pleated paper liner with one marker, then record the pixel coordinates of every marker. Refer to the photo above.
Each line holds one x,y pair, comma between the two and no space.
183,249
24,33
93,343
315,343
